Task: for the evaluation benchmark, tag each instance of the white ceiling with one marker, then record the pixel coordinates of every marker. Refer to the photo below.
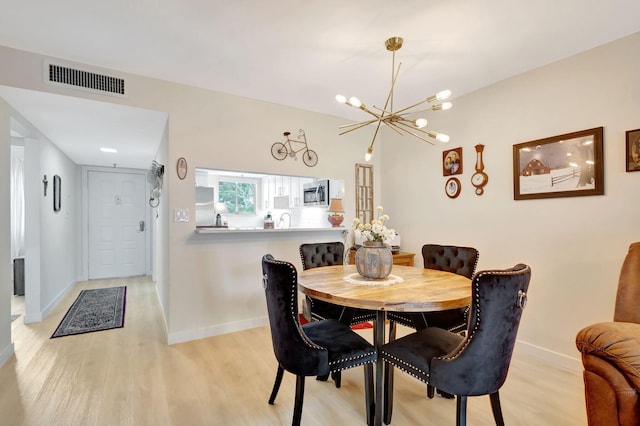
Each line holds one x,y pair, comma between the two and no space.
290,52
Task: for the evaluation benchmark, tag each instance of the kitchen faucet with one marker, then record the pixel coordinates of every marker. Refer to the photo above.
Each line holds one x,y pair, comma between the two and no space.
282,218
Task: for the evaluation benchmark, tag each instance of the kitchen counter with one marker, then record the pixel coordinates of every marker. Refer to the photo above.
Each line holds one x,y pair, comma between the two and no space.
210,230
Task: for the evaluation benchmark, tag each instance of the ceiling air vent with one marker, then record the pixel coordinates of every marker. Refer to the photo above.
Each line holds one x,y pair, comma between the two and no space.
60,75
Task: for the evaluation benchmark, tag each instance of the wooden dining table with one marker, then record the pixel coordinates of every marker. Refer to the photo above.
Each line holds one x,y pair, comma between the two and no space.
407,289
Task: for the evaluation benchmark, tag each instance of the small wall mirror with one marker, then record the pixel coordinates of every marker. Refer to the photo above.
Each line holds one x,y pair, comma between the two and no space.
56,193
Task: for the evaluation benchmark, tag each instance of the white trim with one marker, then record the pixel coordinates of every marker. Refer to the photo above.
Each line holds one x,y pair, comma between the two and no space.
201,333
6,354
550,357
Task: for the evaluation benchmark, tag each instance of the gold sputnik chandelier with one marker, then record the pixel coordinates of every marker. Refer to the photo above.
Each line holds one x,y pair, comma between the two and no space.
399,120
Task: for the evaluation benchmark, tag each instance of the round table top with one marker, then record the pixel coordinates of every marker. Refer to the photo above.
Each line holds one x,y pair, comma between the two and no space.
420,290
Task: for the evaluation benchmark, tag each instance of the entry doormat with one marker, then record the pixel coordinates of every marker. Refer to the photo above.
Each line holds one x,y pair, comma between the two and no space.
94,310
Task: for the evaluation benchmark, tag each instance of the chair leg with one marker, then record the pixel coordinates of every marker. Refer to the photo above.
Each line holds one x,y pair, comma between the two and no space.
388,393
369,397
461,410
430,391
497,410
297,408
276,385
337,378
392,330
323,378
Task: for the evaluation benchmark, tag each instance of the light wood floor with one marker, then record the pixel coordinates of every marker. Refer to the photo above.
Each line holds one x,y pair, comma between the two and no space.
129,376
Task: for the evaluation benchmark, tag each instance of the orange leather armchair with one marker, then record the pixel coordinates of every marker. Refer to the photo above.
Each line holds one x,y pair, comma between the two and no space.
611,354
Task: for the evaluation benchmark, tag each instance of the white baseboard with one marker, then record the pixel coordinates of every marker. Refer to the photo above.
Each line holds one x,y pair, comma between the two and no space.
551,357
30,318
6,354
201,333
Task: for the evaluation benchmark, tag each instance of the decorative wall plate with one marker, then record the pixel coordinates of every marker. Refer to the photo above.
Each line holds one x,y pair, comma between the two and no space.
452,187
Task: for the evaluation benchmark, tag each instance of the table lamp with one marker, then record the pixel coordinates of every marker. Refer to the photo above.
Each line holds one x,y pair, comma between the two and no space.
335,207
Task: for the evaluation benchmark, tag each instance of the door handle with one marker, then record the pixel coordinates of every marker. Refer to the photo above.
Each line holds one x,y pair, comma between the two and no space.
142,226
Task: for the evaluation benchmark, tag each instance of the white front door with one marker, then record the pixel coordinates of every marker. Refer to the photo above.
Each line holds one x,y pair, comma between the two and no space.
117,207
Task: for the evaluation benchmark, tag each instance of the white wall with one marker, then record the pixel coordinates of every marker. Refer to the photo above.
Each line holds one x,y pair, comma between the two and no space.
51,238
575,246
6,347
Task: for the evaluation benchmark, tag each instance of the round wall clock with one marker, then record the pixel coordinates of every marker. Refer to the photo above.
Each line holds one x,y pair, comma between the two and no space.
181,168
452,187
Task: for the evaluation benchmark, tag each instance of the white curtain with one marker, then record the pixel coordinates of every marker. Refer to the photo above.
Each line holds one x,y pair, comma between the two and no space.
17,202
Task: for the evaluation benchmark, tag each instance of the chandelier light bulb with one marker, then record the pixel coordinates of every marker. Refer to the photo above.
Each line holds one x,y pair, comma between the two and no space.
369,153
447,105
441,137
355,102
341,99
421,122
441,96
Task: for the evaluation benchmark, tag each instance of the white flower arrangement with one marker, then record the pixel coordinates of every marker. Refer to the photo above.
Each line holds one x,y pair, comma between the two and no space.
376,230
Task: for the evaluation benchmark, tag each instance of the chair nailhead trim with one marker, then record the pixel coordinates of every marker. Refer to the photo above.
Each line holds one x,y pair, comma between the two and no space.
341,361
403,365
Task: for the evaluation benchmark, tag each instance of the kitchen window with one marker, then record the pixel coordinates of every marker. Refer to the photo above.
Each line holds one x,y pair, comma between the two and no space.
238,196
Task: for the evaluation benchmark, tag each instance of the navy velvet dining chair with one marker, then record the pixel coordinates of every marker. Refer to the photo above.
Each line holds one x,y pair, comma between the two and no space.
456,259
471,365
314,349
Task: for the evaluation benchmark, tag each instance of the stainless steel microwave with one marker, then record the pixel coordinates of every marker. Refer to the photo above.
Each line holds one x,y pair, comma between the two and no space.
316,193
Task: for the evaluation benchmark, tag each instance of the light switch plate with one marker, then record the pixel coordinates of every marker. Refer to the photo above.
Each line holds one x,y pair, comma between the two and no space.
181,215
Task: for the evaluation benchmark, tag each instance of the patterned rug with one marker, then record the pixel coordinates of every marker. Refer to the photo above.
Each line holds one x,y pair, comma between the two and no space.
94,310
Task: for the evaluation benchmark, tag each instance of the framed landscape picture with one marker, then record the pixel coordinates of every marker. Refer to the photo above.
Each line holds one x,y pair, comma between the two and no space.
568,165
633,150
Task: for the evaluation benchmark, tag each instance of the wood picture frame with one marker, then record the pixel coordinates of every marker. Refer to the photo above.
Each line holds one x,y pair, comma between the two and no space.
181,168
568,165
452,162
632,150
452,187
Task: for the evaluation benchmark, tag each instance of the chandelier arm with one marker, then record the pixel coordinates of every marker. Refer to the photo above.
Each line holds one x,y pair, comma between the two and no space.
414,134
357,126
393,84
393,126
359,123
373,140
415,105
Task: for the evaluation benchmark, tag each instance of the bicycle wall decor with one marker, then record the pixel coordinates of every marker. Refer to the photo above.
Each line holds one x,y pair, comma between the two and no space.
280,150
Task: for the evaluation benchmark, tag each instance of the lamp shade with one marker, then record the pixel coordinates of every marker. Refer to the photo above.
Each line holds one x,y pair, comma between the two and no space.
221,208
336,206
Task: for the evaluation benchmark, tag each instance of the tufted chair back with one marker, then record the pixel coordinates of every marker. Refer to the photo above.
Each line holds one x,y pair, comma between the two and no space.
628,296
293,350
480,363
459,260
314,255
